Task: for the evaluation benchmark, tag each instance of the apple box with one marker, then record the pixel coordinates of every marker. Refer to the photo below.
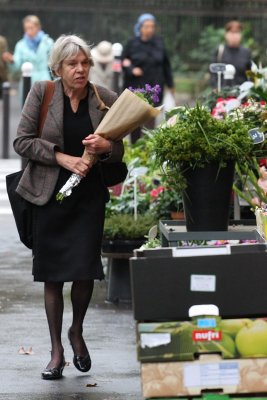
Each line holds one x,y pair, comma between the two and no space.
187,340
170,379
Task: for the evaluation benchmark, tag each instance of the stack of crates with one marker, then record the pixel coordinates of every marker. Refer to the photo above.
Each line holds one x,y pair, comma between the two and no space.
187,358
223,352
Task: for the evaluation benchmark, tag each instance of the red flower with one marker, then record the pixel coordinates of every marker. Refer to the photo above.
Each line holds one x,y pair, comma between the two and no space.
155,192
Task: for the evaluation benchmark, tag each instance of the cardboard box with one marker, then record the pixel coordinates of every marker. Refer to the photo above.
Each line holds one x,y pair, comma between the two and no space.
170,379
164,288
187,340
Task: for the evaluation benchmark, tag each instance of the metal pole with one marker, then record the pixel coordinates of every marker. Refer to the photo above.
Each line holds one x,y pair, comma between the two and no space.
26,70
6,112
116,67
219,81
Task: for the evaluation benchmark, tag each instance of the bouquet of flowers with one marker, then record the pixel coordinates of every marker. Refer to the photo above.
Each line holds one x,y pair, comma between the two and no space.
133,108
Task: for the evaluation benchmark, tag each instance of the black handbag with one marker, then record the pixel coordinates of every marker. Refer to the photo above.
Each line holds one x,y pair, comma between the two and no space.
21,208
114,173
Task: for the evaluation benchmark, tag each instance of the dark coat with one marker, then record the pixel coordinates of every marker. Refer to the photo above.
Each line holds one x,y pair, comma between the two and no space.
152,58
40,176
239,57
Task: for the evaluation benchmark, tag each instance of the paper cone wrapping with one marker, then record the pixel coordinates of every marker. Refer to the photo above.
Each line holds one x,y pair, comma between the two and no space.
127,113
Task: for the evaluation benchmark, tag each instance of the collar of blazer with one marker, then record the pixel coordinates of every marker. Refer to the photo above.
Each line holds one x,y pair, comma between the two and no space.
97,107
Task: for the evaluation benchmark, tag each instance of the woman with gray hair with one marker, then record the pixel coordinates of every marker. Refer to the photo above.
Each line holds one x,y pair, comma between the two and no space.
66,236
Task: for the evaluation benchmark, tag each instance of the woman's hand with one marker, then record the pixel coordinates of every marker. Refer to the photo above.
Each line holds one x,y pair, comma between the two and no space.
78,165
7,57
96,144
137,71
126,62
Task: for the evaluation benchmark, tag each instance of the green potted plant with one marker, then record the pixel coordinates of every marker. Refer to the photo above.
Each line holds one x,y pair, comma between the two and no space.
122,233
199,152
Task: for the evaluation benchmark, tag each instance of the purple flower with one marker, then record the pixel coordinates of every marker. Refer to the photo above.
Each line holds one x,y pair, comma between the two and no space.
149,93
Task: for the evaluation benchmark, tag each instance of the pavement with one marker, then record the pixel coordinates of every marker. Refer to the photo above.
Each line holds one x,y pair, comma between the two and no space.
109,331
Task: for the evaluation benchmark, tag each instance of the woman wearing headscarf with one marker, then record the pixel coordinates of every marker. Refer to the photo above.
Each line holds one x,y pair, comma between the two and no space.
144,58
34,47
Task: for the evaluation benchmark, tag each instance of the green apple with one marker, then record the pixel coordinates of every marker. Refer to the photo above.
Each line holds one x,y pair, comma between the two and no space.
251,340
232,326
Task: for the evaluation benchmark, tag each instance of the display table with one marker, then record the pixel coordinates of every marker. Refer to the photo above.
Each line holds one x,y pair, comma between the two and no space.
172,231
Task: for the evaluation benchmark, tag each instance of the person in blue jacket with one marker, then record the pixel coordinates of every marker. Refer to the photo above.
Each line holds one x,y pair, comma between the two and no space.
34,47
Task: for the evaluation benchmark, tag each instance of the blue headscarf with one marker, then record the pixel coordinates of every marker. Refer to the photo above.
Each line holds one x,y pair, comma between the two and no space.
141,19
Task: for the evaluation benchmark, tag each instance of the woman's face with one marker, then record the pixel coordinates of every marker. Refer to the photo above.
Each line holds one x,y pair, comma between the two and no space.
147,30
233,38
74,71
31,29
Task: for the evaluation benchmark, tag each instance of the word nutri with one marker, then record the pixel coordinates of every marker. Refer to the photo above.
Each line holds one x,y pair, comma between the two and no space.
203,335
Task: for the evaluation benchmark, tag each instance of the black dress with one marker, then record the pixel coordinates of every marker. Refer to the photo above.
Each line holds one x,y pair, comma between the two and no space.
67,236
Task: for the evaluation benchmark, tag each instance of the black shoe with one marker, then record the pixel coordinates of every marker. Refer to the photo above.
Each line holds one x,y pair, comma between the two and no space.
54,373
84,363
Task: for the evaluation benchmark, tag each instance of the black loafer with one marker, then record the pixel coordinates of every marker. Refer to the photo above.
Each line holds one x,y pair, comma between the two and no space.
83,364
54,373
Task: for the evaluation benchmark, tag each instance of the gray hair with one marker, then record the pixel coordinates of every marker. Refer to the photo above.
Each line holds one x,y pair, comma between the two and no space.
65,47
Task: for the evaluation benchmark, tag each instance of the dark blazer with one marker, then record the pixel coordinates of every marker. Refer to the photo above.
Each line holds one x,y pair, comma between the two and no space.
40,176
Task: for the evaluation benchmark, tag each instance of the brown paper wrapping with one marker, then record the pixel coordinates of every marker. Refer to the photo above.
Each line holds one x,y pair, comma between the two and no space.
127,113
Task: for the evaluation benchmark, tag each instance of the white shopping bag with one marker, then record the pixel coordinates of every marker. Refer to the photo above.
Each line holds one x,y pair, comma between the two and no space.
168,101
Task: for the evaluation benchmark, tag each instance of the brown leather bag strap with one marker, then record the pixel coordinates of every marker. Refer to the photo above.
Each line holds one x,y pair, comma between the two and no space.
48,94
102,105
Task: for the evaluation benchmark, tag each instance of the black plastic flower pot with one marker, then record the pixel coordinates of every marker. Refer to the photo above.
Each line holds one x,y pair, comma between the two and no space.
207,197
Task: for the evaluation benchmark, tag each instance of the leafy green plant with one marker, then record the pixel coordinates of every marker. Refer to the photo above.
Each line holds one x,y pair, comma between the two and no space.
123,226
193,138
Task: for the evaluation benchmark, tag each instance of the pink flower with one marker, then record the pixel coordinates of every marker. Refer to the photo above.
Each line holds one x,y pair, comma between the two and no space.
155,192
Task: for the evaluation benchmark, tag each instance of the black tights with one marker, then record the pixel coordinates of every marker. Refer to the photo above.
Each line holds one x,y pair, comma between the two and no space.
81,293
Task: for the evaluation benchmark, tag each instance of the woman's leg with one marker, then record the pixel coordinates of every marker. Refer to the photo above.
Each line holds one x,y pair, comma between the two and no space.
54,306
81,293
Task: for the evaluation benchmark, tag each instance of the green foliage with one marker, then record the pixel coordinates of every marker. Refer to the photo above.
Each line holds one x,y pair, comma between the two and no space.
196,138
209,40
121,226
139,152
166,198
124,203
